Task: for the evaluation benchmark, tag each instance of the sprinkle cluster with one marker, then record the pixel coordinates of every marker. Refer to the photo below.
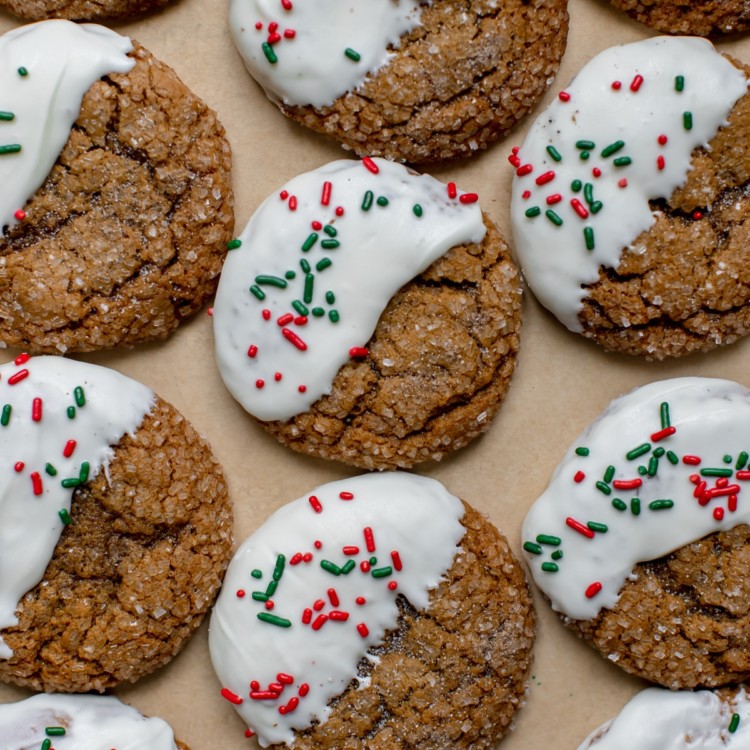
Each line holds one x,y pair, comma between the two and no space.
13,148
52,732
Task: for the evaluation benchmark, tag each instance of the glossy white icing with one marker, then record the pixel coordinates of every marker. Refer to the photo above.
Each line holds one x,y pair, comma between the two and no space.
658,719
91,722
627,94
278,358
312,53
58,62
37,455
696,470
282,678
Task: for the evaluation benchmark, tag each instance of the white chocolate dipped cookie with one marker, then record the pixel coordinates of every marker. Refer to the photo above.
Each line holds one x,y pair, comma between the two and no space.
340,616
627,199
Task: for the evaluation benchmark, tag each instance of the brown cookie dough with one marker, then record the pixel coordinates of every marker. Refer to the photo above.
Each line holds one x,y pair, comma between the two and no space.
135,571
697,17
79,10
462,79
126,237
439,365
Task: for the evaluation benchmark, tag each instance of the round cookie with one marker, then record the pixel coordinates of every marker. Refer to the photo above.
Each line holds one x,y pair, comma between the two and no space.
308,342
79,10
628,200
694,17
81,722
641,541
115,527
656,719
115,225
409,81
377,611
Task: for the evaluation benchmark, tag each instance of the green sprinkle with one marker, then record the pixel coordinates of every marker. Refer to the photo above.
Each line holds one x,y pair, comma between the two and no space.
741,459
417,210
64,516
381,572
659,452
727,459
257,574
613,148
679,83
618,504
304,265
653,466
274,620
330,230
79,396
333,316
664,414
638,452
83,474
5,416
257,292
550,567
622,161
373,561
609,474
709,472
553,217
71,412
533,211
50,469
596,206
576,186
23,72
312,238
290,275
642,470
70,482
234,244
532,548
585,145
734,723
10,148
635,506
661,504
7,116
329,244
605,488
330,298
581,451
269,53
367,200
352,54
585,155
260,596
279,569
557,554
554,153
687,120
309,285
672,458
318,312
55,731
330,567
555,541
588,237
588,193
348,567
602,528
382,201
46,745
301,308
271,588
323,263
271,281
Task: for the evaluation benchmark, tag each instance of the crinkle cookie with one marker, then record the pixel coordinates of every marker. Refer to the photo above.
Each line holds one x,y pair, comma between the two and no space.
115,527
79,10
629,202
698,17
323,333
81,722
410,81
656,719
375,612
641,540
117,201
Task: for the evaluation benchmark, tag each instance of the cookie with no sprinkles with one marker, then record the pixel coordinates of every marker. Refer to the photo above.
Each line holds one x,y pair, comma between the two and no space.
641,540
370,315
698,17
634,236
79,10
116,527
422,639
115,219
409,81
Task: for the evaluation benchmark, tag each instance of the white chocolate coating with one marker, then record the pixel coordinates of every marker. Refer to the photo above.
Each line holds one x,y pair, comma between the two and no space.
555,259
408,514
658,719
699,468
309,46
62,60
375,252
31,496
91,722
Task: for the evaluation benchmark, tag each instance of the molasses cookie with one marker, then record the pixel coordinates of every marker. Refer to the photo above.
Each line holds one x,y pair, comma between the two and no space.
323,333
81,722
79,10
629,200
410,81
641,541
656,719
694,17
115,527
117,203
377,611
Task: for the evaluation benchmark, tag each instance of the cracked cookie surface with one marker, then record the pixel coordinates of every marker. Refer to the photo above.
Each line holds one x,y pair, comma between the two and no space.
699,17
440,362
126,237
135,571
79,10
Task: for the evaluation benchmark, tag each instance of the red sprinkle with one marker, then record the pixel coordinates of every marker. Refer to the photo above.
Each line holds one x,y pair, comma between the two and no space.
596,172
266,315
660,163
452,190
333,597
697,215
661,434
350,550
36,410
579,208
263,695
369,539
325,197
522,171
742,475
277,376
286,4
346,495
468,198
338,616
285,319
240,593
307,616
579,527
691,460
300,320
273,38
317,226
293,203
294,338
732,503
36,483
273,26
364,566
258,25
20,214
370,165
18,466
290,34
636,83
17,377
627,484
662,140
276,687
719,513
554,198
293,703
362,630
317,544
623,183
284,194
579,477
22,359
564,96
70,446
260,383
302,388
593,590
320,620
698,492
526,194
252,351
358,351
255,685
249,733
230,696
339,211
360,600
307,557
270,605
392,585
296,558
304,689
315,503
396,560
616,85
514,160
543,179
318,605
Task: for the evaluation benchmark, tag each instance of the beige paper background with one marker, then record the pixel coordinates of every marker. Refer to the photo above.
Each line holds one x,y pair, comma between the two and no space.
561,384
